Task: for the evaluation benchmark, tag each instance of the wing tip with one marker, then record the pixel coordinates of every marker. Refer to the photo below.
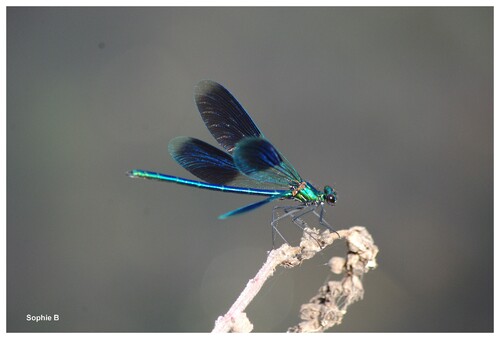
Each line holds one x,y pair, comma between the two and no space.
205,86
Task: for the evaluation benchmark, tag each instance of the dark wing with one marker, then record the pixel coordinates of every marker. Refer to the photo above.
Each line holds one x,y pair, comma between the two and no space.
210,164
235,131
224,117
250,207
203,160
258,159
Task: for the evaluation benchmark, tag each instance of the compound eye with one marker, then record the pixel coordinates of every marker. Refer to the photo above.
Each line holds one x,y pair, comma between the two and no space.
331,199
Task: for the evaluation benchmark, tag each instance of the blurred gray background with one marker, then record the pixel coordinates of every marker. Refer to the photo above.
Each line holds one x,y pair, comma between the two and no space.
393,106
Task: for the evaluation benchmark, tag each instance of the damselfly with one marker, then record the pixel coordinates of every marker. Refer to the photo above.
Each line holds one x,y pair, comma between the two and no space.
249,165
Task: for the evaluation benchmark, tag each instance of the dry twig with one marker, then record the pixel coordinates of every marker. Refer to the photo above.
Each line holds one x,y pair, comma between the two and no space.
328,307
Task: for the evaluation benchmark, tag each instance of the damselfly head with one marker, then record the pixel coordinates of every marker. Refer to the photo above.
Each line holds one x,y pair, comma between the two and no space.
330,195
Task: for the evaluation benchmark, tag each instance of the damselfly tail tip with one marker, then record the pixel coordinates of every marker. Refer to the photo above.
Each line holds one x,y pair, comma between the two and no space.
131,174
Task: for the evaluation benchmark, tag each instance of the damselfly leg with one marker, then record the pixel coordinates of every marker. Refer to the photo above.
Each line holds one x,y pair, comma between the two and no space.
296,213
323,221
288,211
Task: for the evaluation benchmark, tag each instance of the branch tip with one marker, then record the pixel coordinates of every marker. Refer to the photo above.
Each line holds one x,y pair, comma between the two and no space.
329,306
